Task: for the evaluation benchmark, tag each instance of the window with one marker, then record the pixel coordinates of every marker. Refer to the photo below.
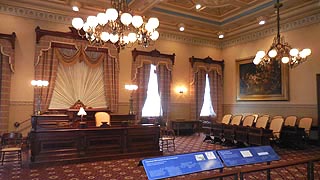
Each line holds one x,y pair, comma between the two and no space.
207,108
152,106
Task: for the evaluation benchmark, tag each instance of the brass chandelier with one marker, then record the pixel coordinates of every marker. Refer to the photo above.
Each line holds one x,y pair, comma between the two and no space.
118,26
281,50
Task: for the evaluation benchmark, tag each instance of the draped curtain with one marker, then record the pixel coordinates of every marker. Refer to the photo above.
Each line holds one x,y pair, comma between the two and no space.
140,95
140,76
164,85
66,54
216,84
199,71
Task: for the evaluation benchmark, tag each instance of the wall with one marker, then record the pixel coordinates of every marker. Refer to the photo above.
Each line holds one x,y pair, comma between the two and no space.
302,79
21,98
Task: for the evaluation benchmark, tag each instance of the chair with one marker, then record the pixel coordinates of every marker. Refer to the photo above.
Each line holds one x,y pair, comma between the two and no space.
11,147
229,130
167,137
101,118
276,126
305,123
262,122
241,132
217,128
290,121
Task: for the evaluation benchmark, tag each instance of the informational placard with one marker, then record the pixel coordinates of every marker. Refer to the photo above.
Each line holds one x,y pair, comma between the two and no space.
250,155
169,166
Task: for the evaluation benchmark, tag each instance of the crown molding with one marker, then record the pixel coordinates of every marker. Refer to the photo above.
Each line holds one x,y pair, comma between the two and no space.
170,36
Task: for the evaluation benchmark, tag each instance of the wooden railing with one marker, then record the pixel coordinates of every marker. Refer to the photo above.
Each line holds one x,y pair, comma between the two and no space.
239,174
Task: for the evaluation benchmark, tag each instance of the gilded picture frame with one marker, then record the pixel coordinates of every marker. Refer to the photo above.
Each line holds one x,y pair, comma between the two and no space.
262,83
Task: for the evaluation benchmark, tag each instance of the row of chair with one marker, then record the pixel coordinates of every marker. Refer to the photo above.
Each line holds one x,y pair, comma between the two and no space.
253,129
11,144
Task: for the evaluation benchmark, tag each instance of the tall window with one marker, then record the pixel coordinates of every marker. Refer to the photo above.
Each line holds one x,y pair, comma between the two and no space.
152,106
207,108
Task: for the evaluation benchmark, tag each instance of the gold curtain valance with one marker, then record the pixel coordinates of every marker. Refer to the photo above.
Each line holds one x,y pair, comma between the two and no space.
207,67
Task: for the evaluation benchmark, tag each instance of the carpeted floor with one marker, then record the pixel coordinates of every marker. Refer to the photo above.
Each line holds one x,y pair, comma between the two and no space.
128,168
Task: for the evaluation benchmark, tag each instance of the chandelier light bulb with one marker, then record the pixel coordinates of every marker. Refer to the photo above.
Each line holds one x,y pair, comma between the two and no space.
92,21
260,54
181,28
114,38
104,36
86,27
77,23
102,18
285,60
294,52
137,21
302,54
126,19
125,39
256,60
154,22
149,27
112,14
273,53
307,51
155,35
132,37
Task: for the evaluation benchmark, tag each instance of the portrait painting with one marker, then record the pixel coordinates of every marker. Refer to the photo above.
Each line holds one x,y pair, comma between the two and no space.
261,82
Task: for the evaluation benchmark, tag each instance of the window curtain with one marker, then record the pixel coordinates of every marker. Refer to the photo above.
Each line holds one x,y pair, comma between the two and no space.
140,95
49,55
199,89
140,76
164,85
197,86
216,93
6,71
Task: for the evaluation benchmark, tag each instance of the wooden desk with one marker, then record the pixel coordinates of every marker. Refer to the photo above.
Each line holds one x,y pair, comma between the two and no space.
178,125
74,145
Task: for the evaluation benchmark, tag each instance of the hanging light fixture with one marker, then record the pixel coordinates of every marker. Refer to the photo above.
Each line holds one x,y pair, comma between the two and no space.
118,26
281,50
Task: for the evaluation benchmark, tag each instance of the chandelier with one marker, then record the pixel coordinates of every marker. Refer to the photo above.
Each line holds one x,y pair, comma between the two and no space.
118,26
281,50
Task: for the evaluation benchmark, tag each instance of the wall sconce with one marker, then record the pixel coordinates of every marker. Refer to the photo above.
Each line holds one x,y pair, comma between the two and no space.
181,89
38,84
261,20
131,87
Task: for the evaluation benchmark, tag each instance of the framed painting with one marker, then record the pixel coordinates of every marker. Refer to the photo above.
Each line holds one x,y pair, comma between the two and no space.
262,83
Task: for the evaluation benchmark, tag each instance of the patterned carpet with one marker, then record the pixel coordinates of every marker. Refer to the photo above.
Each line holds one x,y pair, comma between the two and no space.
128,168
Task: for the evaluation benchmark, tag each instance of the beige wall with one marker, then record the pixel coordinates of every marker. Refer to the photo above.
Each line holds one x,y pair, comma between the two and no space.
302,79
22,91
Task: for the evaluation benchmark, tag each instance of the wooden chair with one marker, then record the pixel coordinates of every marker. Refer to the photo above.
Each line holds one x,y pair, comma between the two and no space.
229,130
167,137
290,121
241,132
262,122
216,129
101,118
276,126
305,123
11,147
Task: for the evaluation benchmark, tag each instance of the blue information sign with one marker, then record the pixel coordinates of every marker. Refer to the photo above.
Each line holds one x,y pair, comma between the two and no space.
250,155
169,166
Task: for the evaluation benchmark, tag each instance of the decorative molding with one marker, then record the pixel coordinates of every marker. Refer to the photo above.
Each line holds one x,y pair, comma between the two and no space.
252,36
9,37
276,106
239,39
153,53
21,103
189,40
34,14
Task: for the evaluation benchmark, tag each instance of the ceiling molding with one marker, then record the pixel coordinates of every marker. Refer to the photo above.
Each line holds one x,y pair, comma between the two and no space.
170,36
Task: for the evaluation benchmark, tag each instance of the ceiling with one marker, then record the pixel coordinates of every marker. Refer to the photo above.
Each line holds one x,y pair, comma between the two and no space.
233,17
